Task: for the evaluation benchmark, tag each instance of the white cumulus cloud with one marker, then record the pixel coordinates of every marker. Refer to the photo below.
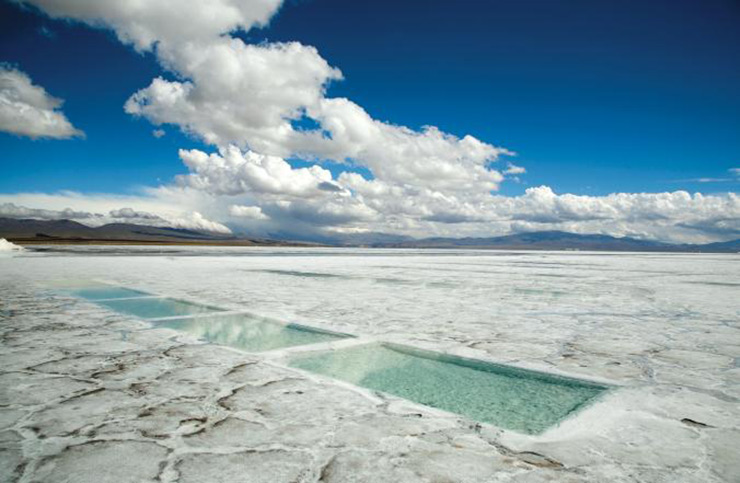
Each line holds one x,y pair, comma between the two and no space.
10,210
232,172
514,169
250,212
144,23
28,110
228,92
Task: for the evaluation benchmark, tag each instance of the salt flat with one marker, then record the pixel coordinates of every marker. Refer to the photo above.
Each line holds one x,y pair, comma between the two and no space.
88,394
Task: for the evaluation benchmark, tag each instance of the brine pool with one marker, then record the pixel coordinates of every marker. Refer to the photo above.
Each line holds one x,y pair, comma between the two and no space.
103,293
508,397
249,333
157,308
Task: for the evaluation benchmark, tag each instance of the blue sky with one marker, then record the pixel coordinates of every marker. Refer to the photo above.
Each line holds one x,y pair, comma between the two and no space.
587,93
594,97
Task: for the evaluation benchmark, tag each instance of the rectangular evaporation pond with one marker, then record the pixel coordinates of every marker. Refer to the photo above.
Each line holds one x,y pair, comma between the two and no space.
153,308
250,333
101,293
508,397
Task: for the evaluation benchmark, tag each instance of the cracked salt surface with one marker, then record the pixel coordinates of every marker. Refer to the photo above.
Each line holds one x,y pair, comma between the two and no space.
74,391
505,396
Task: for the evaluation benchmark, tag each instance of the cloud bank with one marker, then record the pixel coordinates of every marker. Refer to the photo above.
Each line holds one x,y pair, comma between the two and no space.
676,217
28,110
261,105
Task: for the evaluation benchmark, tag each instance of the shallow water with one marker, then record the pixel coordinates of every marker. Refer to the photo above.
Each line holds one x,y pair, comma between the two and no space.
103,292
249,333
510,398
153,308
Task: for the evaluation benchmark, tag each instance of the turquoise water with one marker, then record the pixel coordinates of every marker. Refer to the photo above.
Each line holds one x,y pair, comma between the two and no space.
511,398
99,293
151,308
249,333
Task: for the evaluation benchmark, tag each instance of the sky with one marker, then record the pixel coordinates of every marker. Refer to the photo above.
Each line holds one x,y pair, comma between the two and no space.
324,119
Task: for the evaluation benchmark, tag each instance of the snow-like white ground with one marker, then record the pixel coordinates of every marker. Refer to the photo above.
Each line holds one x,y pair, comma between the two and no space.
6,246
90,395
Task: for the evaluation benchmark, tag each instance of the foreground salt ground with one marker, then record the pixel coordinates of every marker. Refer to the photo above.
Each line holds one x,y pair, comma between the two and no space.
90,395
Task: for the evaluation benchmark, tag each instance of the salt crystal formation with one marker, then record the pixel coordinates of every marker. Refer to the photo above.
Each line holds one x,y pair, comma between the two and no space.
6,246
91,395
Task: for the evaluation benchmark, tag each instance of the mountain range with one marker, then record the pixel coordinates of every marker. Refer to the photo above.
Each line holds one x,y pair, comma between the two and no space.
32,231
560,240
